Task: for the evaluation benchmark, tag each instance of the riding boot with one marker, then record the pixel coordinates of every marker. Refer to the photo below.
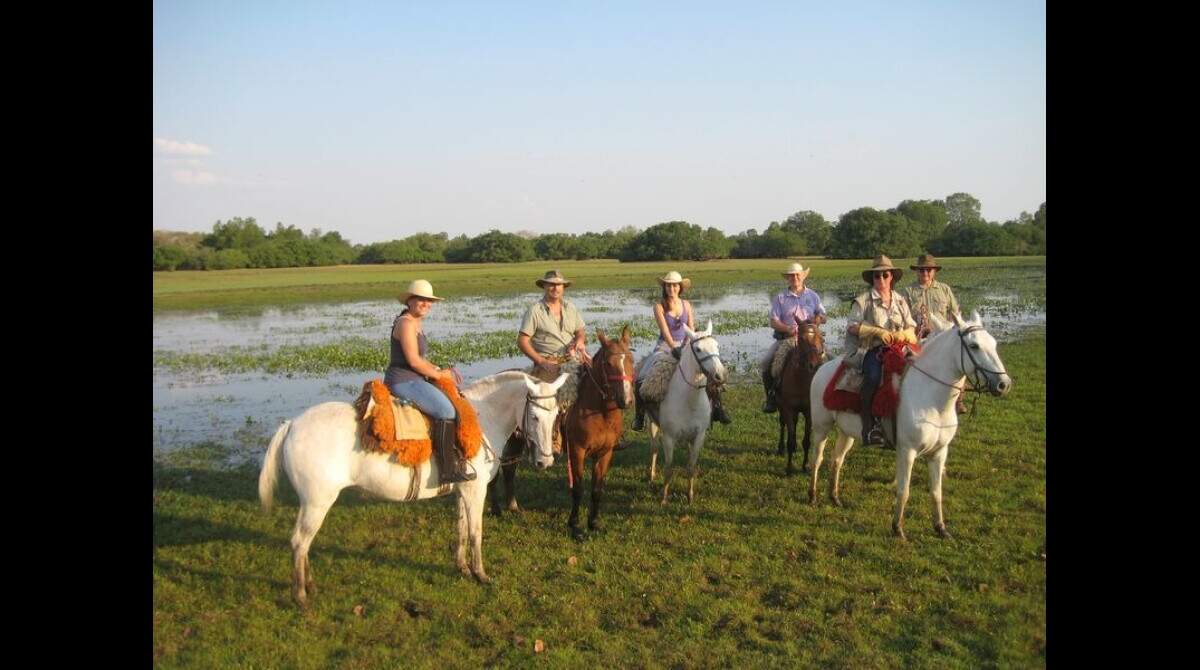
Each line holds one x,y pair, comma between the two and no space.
718,412
770,405
452,467
870,429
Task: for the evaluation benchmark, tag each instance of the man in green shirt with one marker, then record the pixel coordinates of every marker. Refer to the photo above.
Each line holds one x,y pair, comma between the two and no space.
929,296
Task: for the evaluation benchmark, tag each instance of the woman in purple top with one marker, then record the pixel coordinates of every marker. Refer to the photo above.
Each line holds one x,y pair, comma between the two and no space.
672,312
796,302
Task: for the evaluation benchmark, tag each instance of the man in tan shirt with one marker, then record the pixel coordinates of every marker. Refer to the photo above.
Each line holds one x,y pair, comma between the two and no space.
929,296
552,330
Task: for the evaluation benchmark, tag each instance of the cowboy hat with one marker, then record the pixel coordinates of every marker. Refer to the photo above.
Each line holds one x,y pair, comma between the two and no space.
674,277
796,269
552,277
925,261
883,263
419,288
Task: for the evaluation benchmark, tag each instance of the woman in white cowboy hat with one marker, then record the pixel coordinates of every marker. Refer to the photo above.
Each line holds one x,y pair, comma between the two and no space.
408,371
797,301
672,313
878,317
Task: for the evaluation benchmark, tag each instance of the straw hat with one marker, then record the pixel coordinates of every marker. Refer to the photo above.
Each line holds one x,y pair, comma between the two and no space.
552,277
925,261
883,263
796,269
419,288
674,277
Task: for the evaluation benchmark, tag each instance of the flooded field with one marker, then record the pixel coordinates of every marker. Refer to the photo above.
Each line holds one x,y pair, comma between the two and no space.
224,382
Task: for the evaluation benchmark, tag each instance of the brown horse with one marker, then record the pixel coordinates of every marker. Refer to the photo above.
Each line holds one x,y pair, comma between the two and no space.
794,381
593,425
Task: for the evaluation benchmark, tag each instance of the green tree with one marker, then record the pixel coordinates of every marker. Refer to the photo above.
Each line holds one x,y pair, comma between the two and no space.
962,208
674,241
237,233
169,257
929,215
497,247
866,232
814,232
976,239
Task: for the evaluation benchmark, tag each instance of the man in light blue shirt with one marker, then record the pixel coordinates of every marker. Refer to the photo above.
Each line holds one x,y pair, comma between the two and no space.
796,302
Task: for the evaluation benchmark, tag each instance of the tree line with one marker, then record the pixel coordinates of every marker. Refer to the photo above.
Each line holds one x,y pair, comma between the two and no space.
949,227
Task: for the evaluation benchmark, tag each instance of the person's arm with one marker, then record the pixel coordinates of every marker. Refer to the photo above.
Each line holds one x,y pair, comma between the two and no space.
953,301
580,345
661,317
526,348
690,314
777,322
408,345
819,313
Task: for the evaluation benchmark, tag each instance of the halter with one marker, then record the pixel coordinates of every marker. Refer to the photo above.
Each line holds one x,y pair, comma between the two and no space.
603,389
530,399
699,362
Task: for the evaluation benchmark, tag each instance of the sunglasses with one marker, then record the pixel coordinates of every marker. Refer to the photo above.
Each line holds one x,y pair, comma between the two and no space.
882,275
924,269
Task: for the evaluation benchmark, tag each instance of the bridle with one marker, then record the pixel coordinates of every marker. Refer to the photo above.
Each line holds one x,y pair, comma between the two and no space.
977,381
708,376
531,399
808,363
605,389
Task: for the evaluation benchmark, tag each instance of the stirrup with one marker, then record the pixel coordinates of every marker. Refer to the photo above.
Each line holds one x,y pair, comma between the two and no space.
874,436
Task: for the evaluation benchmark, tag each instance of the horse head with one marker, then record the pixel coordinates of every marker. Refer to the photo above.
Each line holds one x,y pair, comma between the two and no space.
615,361
979,357
811,342
537,422
706,351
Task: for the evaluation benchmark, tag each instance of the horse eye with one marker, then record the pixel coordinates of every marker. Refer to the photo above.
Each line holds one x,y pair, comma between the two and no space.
974,346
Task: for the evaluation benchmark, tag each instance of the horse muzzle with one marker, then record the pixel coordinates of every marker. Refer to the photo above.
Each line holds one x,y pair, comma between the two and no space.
542,465
1001,386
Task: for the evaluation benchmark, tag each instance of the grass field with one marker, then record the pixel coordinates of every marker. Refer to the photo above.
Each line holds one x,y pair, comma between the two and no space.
247,289
750,575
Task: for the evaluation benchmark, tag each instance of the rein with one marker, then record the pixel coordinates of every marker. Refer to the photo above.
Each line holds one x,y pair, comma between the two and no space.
976,385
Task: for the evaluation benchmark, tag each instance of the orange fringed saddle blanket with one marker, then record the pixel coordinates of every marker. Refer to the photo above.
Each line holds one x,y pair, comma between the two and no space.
404,431
886,399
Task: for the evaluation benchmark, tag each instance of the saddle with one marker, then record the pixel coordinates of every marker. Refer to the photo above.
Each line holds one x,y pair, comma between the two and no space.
657,379
840,396
390,425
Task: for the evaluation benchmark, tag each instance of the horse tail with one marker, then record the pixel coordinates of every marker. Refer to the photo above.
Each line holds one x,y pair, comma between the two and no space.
270,468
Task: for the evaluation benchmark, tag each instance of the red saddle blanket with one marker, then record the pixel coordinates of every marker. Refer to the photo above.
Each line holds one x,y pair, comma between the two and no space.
886,398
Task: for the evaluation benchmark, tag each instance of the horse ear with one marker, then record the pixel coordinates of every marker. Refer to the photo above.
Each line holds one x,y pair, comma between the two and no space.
707,330
975,318
690,333
531,383
625,335
957,319
600,336
562,379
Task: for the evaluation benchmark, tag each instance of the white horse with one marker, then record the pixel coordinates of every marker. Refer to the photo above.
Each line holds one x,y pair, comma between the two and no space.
685,412
322,454
925,418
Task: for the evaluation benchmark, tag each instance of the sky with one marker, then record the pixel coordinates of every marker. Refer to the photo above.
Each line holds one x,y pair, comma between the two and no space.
384,119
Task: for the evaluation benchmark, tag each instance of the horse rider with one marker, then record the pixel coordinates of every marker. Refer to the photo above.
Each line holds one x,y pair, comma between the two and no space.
672,313
409,374
929,296
796,302
552,333
878,317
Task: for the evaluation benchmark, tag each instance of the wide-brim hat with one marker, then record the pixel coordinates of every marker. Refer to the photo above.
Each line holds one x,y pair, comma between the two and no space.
419,288
925,261
674,277
883,263
552,277
796,269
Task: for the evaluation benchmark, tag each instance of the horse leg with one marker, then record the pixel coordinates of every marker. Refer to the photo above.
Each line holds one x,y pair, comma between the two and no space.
473,499
308,522
807,443
693,457
904,463
668,445
792,418
779,447
599,473
653,450
937,472
818,453
510,486
576,465
460,546
840,449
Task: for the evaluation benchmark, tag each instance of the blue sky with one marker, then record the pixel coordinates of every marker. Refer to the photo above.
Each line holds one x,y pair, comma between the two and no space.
380,120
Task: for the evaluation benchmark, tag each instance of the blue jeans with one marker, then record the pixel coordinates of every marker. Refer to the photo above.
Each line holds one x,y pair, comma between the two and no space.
872,368
427,398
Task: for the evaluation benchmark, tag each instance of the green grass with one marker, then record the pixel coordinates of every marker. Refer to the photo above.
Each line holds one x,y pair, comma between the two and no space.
750,575
233,290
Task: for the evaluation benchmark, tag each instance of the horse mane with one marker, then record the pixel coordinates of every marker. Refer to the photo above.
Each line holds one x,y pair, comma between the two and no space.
481,387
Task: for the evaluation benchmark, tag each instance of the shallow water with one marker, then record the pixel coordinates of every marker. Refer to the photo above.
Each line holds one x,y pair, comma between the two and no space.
241,411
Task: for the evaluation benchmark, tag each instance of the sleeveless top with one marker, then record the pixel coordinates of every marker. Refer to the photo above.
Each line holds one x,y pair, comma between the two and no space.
675,324
398,369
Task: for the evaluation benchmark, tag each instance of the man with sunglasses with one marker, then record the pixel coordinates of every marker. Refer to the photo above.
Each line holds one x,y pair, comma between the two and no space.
878,317
929,296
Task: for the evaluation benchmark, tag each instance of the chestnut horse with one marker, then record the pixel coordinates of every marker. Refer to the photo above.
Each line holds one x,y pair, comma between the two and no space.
794,381
593,425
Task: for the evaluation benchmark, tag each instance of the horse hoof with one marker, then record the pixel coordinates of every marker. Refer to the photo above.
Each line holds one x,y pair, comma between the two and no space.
837,502
514,507
596,527
789,472
483,578
578,535
898,532
301,601
942,532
